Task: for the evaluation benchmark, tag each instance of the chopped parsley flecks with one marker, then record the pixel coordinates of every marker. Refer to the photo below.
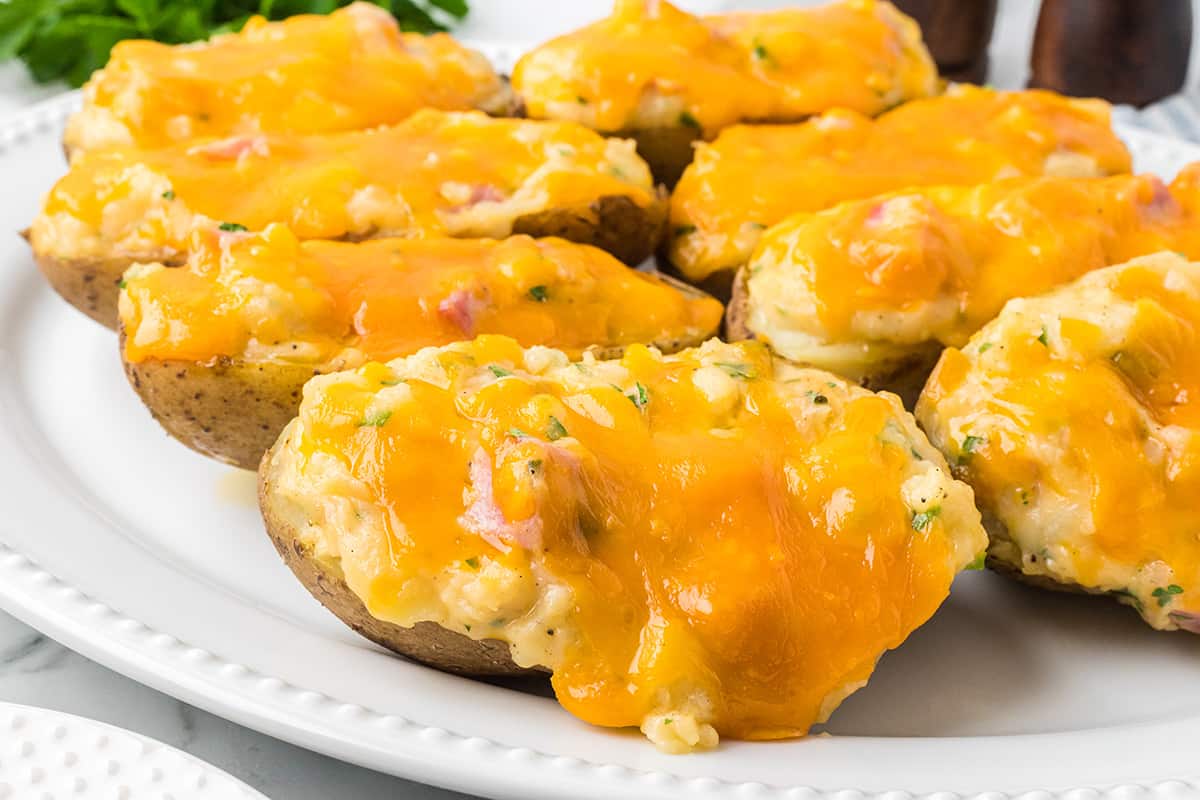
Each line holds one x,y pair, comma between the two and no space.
743,371
1024,495
168,195
1165,595
539,293
923,519
817,398
391,381
1044,337
639,396
517,433
983,348
376,420
121,284
979,562
760,52
472,562
499,371
233,227
535,466
684,230
969,445
667,721
686,118
583,101
555,429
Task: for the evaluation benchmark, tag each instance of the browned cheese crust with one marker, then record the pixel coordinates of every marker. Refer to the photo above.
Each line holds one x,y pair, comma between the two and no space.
425,642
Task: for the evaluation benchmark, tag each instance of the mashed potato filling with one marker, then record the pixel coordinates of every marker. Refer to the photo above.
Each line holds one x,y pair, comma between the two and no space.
271,298
350,70
699,545
754,176
1076,417
651,65
862,284
460,174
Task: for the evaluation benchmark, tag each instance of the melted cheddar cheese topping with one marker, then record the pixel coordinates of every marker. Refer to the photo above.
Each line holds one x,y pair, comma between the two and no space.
271,297
753,177
1076,417
436,174
871,280
651,65
350,70
695,544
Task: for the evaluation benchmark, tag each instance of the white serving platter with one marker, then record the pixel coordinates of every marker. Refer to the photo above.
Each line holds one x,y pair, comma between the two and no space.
48,754
141,555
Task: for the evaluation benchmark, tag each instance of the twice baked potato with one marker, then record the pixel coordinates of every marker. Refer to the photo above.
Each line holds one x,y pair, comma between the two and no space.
755,176
667,78
218,349
460,174
702,544
874,289
1076,417
350,70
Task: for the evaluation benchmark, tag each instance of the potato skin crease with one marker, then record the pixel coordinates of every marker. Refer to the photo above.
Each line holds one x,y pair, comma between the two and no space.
426,642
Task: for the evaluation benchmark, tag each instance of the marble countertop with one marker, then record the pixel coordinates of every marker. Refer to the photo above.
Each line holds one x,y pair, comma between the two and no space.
37,671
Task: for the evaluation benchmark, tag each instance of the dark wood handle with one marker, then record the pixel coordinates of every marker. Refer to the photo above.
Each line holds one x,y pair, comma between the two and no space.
1126,51
957,33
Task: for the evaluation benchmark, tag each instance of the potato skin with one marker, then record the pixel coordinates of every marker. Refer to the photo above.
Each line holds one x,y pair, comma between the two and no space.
233,410
614,223
668,151
905,377
425,642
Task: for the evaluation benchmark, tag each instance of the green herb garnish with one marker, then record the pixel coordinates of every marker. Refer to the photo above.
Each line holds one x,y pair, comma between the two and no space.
499,371
979,562
233,227
555,429
684,230
517,433
473,562
639,396
686,119
376,420
983,348
1165,595
817,398
922,520
69,39
1044,337
744,371
539,293
535,466
969,445
121,284
168,195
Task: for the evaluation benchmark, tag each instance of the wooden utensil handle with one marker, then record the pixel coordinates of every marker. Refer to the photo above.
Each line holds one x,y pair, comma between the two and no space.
957,33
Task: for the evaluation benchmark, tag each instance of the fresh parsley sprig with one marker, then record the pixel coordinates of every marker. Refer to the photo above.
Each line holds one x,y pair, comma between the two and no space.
69,39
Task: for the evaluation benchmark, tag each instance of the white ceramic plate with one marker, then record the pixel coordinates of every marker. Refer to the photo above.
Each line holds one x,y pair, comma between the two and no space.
50,755
151,560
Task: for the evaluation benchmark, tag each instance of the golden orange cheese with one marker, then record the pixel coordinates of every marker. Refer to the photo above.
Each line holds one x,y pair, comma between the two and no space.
1076,417
717,544
753,177
651,65
903,270
271,297
350,70
437,173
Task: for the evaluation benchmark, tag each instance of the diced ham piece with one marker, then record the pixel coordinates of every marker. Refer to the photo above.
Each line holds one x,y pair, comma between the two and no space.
485,519
459,310
1162,203
485,193
234,147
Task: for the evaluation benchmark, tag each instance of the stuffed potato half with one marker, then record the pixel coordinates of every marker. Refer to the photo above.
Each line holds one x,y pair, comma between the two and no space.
874,289
755,176
1076,417
218,349
350,70
697,544
459,174
667,78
